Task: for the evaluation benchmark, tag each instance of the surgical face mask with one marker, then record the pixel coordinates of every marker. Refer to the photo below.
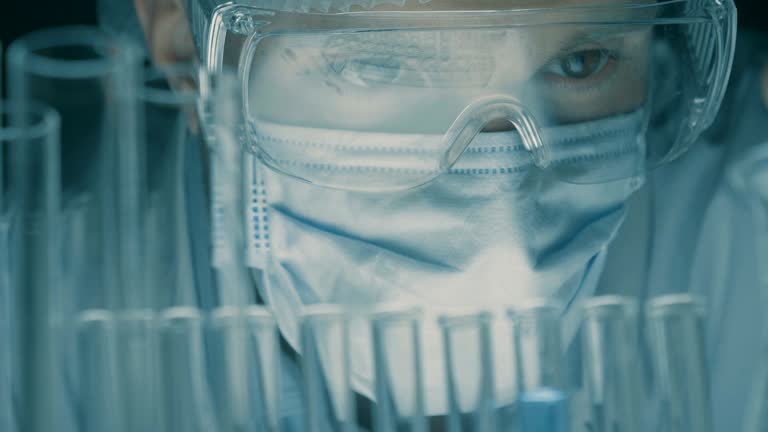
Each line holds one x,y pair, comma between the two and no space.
491,232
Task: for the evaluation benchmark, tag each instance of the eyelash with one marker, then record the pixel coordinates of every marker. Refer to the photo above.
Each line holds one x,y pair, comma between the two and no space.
608,65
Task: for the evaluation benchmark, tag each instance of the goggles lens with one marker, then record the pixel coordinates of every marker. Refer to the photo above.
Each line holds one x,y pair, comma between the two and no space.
355,102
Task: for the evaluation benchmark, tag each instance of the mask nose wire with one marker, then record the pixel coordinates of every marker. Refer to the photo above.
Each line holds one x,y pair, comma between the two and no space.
475,116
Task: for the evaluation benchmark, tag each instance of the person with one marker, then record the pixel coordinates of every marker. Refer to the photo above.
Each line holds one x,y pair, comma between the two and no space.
434,153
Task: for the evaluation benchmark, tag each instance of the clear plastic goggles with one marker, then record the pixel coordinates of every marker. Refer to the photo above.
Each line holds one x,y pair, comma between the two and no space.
391,98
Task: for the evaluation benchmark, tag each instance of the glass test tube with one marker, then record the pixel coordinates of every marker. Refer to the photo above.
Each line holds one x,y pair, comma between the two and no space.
676,330
756,415
749,177
611,364
397,363
330,403
469,372
99,400
165,125
29,207
138,368
228,369
266,387
185,399
245,369
7,307
90,78
6,410
542,399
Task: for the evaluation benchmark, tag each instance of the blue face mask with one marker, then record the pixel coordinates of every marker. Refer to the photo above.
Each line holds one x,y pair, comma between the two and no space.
491,232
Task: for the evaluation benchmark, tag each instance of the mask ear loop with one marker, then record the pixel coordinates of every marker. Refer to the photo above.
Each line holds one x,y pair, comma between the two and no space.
475,116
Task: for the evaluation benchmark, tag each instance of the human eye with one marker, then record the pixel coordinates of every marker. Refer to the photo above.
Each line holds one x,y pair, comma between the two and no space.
582,66
372,71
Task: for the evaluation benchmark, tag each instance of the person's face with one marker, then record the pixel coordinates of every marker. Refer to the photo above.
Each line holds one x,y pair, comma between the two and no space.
573,73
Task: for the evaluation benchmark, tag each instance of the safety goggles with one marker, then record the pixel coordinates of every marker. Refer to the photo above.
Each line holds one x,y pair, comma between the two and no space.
379,97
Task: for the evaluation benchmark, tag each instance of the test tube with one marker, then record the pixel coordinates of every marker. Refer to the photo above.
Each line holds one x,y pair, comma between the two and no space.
330,403
185,394
676,330
542,399
138,368
90,78
748,176
611,363
6,321
245,369
29,205
165,126
229,370
469,372
397,364
756,415
262,331
99,402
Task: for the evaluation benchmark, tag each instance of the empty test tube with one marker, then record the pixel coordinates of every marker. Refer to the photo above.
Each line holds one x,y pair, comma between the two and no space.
469,372
185,398
229,370
397,364
139,368
30,200
611,363
98,398
246,369
262,330
756,416
676,330
542,399
330,403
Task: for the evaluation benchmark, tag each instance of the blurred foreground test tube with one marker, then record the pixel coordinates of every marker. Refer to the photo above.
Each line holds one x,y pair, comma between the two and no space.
185,397
245,369
330,403
749,177
89,78
469,372
676,332
29,213
397,361
542,397
611,364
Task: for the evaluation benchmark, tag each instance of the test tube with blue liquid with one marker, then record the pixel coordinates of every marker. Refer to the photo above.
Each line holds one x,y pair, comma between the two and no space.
542,401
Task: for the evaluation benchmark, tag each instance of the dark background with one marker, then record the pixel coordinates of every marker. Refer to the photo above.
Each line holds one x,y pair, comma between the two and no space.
19,16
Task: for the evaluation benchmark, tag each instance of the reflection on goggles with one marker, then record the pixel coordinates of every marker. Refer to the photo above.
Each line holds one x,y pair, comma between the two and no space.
386,77
414,59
